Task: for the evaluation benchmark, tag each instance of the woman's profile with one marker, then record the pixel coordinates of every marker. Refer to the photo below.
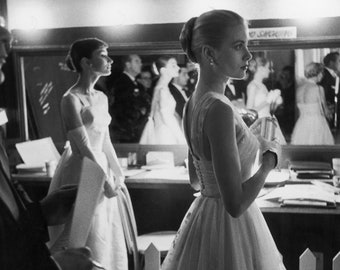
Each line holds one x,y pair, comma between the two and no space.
223,228
164,125
259,98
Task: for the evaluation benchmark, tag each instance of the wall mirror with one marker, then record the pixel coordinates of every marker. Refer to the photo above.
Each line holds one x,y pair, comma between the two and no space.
286,74
40,68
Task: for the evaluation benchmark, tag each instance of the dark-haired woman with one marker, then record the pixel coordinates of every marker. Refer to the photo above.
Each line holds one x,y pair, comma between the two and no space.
85,116
165,125
224,228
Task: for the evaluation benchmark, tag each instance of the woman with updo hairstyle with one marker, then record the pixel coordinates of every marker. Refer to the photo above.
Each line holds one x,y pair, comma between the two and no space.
228,162
312,126
164,124
85,116
259,98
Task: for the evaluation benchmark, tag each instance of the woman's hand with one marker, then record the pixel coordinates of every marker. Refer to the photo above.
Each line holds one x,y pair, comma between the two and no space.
109,190
270,146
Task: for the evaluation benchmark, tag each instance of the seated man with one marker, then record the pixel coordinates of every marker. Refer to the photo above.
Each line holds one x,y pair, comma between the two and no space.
23,231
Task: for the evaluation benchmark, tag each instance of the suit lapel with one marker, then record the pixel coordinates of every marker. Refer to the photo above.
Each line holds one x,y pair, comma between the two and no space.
4,162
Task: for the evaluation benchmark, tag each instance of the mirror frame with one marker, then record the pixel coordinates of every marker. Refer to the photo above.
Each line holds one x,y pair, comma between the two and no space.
156,39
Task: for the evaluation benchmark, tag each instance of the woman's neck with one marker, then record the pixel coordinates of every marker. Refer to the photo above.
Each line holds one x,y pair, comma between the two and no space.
210,82
164,80
258,78
85,84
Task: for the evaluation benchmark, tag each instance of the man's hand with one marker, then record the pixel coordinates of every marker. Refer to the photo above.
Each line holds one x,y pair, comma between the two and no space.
57,205
74,258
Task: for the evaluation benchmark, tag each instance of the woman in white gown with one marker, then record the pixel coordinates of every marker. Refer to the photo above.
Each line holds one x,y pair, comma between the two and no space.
312,126
224,228
164,125
85,115
259,98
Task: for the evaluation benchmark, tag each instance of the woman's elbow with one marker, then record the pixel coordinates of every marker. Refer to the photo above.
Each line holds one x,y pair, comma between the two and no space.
234,209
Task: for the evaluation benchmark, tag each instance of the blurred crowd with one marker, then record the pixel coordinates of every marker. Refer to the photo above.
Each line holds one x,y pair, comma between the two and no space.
263,92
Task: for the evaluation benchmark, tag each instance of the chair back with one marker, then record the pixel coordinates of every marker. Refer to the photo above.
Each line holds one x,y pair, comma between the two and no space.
129,224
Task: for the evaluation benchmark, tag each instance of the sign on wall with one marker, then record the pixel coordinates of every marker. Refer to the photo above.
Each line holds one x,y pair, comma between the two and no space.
273,33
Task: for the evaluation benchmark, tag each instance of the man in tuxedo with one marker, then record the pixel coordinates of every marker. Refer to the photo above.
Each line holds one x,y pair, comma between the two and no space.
234,91
23,231
131,105
331,72
178,89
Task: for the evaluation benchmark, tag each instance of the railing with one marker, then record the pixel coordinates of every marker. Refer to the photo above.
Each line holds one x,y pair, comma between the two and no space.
308,261
152,258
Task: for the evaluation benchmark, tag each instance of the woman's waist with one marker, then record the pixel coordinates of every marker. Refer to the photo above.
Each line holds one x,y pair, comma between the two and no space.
98,154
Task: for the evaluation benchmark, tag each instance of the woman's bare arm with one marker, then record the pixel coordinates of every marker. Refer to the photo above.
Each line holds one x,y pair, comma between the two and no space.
220,129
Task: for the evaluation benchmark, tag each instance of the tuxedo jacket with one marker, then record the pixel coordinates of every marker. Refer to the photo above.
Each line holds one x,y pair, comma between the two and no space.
22,241
130,109
230,95
180,100
328,82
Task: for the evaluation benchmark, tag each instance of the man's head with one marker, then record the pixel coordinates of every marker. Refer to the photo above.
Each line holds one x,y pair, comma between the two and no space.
132,64
5,44
145,78
182,78
332,61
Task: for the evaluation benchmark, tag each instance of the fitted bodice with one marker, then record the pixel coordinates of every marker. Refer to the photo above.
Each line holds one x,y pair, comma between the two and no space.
247,144
96,119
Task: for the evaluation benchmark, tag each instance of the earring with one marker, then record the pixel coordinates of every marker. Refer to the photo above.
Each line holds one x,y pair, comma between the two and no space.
211,62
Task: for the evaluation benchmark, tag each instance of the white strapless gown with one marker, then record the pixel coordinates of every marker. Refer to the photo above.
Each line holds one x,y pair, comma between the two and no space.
106,237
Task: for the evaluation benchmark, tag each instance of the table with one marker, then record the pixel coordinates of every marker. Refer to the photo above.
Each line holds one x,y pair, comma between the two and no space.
161,201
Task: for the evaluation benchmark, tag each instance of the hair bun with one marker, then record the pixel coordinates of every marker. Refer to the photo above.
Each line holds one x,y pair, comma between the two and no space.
69,63
186,38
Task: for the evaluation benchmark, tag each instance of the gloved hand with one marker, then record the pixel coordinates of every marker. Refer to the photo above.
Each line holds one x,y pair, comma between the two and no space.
109,190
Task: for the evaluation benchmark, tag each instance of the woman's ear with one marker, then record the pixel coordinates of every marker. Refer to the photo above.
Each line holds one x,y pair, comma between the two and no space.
209,54
162,70
85,63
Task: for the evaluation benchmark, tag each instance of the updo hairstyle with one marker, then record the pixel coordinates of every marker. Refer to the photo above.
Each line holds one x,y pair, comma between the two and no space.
257,61
207,29
313,69
160,63
82,48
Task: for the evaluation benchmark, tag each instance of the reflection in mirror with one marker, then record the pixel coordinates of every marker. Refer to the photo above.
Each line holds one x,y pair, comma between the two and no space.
273,86
307,107
148,91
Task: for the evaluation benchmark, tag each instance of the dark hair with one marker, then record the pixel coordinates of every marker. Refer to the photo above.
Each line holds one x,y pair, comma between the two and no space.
162,61
331,57
313,69
82,48
6,37
259,61
207,29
